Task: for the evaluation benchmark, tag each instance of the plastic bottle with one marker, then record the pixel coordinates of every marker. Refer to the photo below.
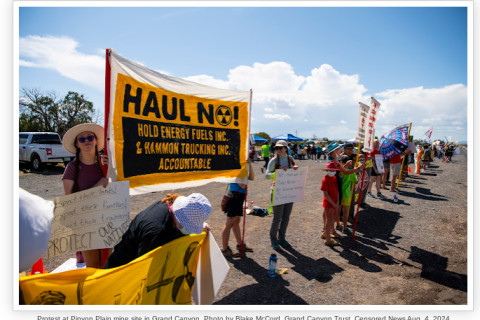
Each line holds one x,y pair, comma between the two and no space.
395,198
272,266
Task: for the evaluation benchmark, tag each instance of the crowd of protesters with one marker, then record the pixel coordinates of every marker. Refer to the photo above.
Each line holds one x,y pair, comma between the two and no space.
177,215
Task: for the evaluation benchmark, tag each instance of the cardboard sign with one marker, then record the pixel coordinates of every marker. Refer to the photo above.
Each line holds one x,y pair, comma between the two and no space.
371,121
289,186
91,219
362,121
379,163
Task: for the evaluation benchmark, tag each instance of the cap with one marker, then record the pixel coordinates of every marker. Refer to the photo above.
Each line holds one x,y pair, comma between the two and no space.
331,166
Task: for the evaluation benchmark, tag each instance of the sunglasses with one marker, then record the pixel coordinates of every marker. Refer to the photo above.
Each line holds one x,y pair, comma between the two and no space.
279,148
83,139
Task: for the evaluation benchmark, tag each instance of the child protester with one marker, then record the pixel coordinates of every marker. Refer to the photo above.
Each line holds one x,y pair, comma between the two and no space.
347,180
330,204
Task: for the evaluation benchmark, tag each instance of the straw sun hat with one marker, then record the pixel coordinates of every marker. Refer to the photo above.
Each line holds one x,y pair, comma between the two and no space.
71,135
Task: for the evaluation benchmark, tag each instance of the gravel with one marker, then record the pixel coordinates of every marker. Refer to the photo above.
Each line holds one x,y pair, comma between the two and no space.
413,252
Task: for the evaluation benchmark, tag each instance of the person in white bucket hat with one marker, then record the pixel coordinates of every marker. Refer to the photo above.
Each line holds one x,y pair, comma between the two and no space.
162,222
85,141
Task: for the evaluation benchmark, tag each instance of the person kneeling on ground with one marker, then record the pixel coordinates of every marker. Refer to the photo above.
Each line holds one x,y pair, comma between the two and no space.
162,222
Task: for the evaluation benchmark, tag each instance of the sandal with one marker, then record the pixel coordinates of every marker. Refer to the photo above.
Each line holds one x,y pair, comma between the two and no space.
323,236
245,248
229,253
330,243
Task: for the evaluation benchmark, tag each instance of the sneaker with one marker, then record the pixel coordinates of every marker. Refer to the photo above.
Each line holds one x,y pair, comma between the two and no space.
370,194
380,195
263,169
275,245
285,244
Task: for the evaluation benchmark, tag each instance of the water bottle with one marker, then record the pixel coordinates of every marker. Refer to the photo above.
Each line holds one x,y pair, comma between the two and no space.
395,198
272,266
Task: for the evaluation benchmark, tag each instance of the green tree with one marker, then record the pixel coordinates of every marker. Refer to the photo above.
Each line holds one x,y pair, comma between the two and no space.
45,112
264,135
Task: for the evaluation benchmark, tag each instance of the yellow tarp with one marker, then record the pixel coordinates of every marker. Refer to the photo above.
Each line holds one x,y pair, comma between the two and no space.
162,276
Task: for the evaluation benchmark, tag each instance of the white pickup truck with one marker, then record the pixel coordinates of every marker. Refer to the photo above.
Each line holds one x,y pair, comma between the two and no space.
40,148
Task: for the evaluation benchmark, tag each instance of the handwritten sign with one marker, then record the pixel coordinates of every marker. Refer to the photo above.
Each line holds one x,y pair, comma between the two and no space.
90,219
379,163
289,186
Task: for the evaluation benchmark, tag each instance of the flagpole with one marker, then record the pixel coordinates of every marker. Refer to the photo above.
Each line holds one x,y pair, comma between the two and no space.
242,246
403,160
105,252
359,197
353,184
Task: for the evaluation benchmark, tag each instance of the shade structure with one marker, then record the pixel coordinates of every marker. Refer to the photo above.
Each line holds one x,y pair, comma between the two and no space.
258,139
394,142
287,137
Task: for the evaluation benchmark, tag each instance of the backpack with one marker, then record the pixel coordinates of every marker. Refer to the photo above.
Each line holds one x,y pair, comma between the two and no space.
291,162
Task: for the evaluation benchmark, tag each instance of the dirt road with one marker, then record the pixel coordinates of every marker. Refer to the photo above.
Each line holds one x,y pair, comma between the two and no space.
413,252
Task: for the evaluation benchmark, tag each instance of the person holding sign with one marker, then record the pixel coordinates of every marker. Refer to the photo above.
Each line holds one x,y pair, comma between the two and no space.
281,213
162,222
376,175
85,141
234,213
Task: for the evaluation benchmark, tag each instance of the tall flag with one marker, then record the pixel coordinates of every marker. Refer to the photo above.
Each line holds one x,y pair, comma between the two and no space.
362,121
370,128
165,133
428,134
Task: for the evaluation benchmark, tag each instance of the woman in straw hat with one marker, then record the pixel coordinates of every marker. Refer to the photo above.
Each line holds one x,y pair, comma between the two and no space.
85,172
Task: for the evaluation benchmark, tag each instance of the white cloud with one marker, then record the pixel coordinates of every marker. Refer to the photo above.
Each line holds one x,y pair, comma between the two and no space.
61,55
280,117
282,99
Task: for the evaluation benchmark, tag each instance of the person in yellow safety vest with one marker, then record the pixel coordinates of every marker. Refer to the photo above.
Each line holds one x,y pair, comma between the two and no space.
265,155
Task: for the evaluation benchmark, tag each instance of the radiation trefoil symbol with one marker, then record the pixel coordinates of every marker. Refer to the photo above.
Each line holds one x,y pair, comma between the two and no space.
224,115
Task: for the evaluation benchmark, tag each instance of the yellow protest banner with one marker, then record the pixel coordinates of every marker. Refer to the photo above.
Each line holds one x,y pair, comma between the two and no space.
169,130
163,276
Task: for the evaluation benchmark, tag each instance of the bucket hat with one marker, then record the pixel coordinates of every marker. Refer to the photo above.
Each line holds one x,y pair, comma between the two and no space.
331,166
281,143
69,137
333,146
192,211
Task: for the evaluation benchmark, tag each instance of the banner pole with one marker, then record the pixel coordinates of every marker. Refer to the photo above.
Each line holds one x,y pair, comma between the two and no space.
242,246
359,199
104,253
403,159
353,184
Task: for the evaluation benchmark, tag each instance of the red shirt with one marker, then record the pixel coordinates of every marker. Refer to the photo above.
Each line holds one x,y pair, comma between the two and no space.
373,153
329,184
396,159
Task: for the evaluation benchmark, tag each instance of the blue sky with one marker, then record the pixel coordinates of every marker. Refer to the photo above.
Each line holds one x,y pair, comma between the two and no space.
308,67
